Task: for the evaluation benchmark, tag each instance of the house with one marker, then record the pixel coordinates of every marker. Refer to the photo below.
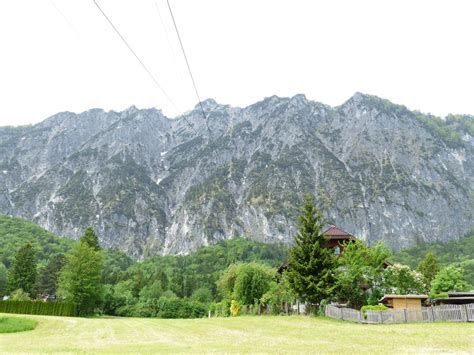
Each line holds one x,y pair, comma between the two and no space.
456,298
403,301
337,237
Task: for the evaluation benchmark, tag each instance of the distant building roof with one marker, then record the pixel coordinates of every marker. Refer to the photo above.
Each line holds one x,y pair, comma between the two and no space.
423,297
333,232
461,294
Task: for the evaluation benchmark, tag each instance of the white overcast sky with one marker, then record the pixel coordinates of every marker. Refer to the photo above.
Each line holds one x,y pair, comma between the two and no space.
61,55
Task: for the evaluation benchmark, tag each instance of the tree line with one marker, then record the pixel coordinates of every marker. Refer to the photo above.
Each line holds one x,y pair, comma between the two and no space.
227,278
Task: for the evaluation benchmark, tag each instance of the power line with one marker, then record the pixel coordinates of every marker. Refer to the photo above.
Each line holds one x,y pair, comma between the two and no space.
187,64
141,62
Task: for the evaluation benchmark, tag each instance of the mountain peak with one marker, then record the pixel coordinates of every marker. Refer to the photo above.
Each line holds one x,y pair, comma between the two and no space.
207,104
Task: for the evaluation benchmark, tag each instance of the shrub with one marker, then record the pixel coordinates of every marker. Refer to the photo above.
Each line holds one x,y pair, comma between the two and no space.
379,307
235,308
220,309
439,295
20,295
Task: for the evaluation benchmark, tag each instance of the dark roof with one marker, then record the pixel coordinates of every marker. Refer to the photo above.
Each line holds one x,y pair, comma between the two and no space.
454,300
461,294
333,232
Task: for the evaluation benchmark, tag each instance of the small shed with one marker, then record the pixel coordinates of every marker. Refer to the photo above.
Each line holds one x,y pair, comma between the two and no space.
403,301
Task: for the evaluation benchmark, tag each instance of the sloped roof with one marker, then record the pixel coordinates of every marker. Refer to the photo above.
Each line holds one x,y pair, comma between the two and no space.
334,232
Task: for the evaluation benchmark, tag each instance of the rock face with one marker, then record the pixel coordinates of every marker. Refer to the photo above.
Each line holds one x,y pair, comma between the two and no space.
153,185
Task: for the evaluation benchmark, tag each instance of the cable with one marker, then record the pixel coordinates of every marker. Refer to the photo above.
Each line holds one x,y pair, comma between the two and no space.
141,62
187,64
64,17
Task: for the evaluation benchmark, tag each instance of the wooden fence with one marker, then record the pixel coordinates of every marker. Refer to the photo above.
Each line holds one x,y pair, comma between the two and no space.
449,312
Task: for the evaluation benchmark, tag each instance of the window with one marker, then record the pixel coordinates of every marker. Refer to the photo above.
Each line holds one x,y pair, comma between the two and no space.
337,250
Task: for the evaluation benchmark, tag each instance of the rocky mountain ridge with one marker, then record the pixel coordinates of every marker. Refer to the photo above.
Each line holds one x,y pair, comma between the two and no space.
153,185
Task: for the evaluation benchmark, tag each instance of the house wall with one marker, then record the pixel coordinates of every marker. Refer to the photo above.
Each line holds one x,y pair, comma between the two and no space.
400,303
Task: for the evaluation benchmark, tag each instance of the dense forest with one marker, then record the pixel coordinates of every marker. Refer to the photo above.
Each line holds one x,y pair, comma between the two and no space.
220,277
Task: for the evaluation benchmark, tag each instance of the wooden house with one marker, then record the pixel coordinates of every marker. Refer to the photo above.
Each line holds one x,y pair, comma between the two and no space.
337,237
403,301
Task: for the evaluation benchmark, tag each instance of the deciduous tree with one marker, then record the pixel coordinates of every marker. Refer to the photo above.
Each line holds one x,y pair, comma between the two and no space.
80,280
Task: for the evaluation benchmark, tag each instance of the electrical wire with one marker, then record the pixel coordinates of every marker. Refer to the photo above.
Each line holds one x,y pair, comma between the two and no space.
187,64
141,62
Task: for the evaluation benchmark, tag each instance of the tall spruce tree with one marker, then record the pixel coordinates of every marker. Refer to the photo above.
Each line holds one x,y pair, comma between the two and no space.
23,272
311,264
91,238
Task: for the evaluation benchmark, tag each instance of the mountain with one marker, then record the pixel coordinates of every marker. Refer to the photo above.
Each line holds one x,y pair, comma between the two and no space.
151,185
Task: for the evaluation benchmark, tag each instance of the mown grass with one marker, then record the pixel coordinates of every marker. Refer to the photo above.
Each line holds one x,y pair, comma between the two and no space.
236,335
14,324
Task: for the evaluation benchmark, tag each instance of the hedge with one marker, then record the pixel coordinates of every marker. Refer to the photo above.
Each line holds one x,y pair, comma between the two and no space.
55,308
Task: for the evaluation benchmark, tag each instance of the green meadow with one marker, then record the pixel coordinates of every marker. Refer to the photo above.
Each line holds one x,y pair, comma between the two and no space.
267,334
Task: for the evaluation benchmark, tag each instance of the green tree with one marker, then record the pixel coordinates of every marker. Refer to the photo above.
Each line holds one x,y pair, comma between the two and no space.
202,294
450,278
401,279
91,239
20,295
23,272
80,280
360,272
311,264
428,267
3,280
246,282
49,277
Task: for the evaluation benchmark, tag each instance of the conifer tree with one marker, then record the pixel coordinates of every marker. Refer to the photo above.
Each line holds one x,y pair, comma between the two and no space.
49,277
91,238
311,264
22,274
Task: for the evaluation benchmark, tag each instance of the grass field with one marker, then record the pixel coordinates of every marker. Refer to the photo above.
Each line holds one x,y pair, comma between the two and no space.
15,324
243,334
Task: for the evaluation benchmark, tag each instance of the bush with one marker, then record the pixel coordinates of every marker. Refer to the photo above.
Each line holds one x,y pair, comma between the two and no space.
56,308
220,309
379,307
439,295
20,295
180,308
235,308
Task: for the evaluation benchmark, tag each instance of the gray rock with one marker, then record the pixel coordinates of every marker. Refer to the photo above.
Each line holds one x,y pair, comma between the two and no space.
153,185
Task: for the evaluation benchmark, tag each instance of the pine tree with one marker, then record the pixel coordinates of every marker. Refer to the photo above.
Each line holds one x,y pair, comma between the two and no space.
91,238
49,279
428,267
80,281
22,274
311,264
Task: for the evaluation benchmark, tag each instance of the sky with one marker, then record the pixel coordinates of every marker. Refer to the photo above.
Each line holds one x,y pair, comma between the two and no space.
62,55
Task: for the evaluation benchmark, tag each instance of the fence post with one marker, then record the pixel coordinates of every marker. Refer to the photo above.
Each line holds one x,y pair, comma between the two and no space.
433,313
381,317
342,313
464,316
405,313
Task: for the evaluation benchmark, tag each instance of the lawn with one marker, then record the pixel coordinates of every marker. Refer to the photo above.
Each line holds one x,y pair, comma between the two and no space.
15,324
243,334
